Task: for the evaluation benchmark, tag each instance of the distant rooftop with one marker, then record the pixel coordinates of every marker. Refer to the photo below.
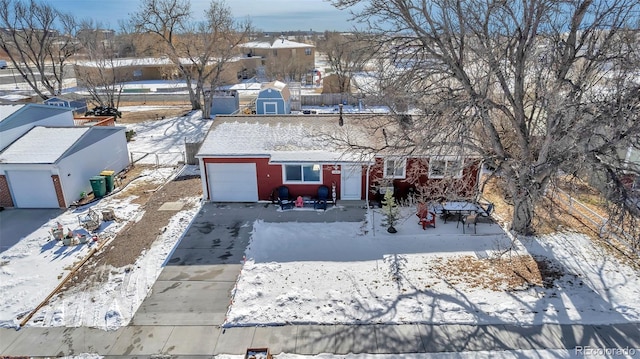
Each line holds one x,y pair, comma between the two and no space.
280,43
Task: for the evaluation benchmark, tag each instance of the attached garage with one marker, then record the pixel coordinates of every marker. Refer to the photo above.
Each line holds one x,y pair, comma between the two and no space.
232,182
32,189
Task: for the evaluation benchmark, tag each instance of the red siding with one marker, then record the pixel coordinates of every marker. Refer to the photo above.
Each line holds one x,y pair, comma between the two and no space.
417,180
270,177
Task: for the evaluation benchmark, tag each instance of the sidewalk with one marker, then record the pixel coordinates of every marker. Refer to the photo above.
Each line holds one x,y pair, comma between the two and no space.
314,339
184,312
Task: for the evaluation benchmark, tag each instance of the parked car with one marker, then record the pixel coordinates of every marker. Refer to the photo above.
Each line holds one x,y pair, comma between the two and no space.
3,64
104,111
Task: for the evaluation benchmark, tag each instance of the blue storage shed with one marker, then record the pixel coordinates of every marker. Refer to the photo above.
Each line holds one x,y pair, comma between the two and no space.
274,99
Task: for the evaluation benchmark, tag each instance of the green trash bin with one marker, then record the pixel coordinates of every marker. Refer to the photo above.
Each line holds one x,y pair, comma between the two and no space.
109,177
99,186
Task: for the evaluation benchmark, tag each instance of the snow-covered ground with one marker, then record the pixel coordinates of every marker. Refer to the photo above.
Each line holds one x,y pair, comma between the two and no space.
35,265
326,273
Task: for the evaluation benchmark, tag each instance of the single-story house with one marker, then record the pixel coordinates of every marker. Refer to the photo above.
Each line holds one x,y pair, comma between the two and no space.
38,172
16,120
245,158
274,99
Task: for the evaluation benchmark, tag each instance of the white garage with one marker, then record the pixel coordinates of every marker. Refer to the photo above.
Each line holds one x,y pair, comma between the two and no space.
232,182
38,172
32,189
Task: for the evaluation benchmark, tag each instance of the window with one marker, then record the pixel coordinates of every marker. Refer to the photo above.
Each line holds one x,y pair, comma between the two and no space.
275,52
311,173
307,51
395,168
442,167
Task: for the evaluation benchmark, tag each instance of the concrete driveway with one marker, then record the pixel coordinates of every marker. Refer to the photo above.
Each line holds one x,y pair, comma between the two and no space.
17,223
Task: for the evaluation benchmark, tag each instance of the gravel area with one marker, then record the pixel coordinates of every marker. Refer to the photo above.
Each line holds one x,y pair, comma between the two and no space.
136,237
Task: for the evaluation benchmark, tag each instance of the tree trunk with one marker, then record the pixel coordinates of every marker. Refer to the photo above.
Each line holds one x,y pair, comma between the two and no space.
208,101
523,211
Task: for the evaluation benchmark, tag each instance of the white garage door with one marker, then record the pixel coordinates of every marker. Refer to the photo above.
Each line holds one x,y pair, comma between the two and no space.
233,182
32,189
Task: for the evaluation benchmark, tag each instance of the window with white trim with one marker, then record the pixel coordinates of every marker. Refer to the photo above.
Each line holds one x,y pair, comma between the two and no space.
445,167
302,173
395,168
307,51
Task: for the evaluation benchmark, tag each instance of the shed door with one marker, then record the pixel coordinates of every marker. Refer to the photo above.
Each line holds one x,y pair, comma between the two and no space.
270,108
232,182
32,189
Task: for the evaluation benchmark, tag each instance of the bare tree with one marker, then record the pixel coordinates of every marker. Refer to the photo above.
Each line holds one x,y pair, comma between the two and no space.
99,75
39,40
535,88
213,49
346,54
200,50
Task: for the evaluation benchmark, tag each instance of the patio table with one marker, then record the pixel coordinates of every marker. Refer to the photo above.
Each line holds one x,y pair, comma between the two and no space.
458,208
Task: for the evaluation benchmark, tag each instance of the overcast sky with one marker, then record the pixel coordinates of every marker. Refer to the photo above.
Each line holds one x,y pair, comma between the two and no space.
266,15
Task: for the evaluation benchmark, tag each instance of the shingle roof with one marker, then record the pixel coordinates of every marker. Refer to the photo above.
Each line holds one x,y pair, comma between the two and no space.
288,138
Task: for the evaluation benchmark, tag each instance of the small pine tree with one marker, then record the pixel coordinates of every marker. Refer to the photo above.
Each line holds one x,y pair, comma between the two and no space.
390,212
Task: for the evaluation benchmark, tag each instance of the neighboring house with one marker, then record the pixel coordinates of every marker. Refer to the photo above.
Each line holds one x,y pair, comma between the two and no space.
49,167
77,105
16,120
245,158
282,57
145,69
332,84
274,99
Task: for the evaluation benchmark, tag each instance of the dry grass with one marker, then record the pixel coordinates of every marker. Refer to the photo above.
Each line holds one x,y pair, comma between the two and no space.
552,216
498,274
154,114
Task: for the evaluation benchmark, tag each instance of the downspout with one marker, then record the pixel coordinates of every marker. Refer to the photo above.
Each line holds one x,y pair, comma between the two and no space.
366,199
203,180
478,178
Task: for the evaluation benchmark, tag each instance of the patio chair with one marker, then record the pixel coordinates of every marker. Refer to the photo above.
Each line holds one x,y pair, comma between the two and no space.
426,218
484,214
468,220
284,198
322,198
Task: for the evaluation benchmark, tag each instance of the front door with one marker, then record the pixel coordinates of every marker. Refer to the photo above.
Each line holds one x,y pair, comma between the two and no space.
351,182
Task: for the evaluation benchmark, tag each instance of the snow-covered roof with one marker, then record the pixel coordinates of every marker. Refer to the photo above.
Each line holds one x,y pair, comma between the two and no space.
8,110
290,138
36,146
146,61
277,85
276,44
12,116
283,138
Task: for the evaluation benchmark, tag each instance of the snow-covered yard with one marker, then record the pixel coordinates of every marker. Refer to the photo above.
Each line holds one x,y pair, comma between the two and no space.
331,273
328,274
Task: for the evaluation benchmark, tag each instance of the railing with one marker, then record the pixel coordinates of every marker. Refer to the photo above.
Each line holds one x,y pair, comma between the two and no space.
94,121
158,158
604,228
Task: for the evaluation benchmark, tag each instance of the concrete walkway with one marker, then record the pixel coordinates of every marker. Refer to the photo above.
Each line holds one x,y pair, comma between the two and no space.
183,314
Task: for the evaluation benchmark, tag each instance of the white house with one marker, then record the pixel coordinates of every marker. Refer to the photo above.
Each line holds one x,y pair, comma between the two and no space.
16,120
49,167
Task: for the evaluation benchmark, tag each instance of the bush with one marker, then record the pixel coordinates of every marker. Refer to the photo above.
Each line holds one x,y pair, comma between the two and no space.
129,134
